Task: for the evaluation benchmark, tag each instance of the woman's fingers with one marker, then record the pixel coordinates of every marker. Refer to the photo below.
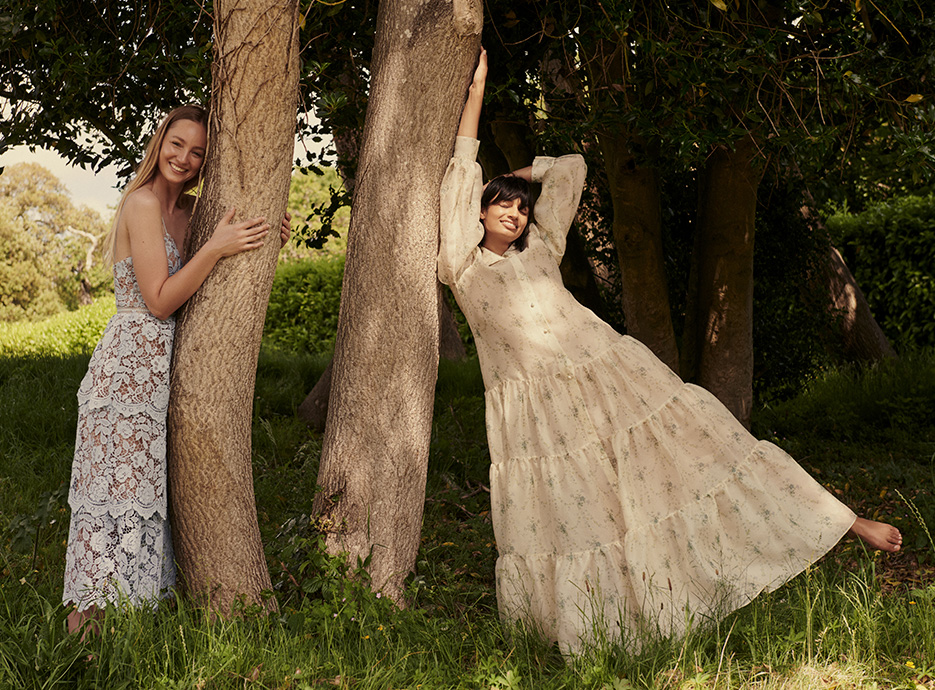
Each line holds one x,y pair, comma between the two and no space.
285,230
252,223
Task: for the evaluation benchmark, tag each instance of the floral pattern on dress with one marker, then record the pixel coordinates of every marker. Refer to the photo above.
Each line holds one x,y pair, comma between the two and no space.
119,543
624,501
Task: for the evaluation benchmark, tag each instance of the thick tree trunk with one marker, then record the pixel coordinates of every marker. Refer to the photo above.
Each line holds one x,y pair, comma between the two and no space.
717,347
255,89
637,229
376,442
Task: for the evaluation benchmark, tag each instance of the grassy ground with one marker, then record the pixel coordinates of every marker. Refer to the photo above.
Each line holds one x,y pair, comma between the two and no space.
853,620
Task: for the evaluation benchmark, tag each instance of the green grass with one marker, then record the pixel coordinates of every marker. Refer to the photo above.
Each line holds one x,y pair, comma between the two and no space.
853,620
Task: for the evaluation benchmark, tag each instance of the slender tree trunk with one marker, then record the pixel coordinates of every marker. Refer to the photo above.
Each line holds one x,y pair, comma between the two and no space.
637,223
376,442
849,313
449,340
848,308
255,89
314,409
637,229
718,344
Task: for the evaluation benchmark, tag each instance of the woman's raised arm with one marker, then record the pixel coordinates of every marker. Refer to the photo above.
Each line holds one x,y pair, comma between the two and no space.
475,100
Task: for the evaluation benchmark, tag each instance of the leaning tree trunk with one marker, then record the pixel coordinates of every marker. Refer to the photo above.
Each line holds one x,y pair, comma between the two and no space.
861,335
249,163
375,453
314,409
849,313
717,346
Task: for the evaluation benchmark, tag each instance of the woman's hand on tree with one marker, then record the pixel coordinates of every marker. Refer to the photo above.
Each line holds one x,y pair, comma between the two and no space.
480,73
232,238
285,229
470,117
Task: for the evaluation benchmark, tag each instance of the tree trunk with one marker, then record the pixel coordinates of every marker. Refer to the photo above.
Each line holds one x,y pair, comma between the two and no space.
449,340
314,409
249,163
862,336
637,229
718,344
375,453
849,314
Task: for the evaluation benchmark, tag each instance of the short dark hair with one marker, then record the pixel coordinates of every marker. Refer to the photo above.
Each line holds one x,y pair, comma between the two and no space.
508,188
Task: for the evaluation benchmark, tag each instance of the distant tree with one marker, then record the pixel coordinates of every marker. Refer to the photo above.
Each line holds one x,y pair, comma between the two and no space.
50,258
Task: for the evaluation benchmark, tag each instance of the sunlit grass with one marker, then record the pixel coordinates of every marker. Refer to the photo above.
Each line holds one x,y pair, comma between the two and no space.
854,620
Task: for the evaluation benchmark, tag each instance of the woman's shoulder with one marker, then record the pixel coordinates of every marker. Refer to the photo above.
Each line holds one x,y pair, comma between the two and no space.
141,200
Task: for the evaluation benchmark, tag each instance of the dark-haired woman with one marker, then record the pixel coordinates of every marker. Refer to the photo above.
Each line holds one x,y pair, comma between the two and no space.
623,500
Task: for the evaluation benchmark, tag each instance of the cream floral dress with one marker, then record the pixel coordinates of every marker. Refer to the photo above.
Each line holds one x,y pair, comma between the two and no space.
119,543
624,501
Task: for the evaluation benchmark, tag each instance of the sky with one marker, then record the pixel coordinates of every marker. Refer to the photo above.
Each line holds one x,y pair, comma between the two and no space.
87,188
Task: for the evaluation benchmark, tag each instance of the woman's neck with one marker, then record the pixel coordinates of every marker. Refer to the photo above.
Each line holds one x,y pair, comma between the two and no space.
494,246
168,194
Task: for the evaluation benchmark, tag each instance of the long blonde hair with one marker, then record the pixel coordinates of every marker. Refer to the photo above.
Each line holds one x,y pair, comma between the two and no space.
147,168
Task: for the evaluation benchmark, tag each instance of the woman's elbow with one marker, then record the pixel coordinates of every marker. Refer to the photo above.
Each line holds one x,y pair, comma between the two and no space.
159,311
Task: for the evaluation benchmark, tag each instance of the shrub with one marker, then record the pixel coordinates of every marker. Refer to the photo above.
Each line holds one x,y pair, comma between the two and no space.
303,306
73,332
890,247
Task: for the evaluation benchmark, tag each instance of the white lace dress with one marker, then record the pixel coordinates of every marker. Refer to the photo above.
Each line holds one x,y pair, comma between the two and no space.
623,500
119,544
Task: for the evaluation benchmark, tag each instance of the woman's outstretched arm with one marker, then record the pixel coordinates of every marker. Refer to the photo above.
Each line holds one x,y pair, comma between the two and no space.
475,100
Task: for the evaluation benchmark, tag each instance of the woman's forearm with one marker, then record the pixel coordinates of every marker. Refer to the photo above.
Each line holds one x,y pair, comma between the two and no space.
471,115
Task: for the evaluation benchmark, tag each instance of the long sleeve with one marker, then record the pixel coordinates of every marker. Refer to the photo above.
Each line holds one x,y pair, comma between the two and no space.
562,181
460,231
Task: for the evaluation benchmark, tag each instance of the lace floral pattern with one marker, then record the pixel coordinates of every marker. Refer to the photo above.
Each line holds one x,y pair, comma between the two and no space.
119,544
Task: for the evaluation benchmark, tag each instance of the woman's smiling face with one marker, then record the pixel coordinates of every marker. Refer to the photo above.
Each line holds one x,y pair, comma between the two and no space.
183,151
504,221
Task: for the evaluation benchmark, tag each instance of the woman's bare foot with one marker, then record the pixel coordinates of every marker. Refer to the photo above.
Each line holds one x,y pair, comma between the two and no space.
86,621
877,535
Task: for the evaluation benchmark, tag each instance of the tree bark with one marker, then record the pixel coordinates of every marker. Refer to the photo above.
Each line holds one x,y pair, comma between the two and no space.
375,454
249,163
717,347
849,314
314,409
637,229
861,334
449,340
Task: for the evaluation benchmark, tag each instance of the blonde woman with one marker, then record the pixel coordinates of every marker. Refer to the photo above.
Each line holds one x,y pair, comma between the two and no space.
119,544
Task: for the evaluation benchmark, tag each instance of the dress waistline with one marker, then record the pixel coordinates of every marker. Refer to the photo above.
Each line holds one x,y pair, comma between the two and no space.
133,310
